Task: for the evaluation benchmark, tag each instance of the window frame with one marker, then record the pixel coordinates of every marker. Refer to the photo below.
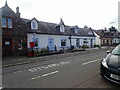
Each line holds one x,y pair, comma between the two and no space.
63,42
9,23
36,41
4,23
62,28
34,25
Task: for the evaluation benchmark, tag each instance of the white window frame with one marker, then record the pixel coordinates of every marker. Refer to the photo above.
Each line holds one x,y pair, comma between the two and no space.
4,24
9,23
62,28
34,25
65,41
76,31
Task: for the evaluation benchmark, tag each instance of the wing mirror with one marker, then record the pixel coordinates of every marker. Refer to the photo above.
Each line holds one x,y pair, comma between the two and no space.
108,52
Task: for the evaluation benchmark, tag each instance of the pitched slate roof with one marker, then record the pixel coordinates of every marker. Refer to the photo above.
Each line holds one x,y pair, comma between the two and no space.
43,27
52,28
107,34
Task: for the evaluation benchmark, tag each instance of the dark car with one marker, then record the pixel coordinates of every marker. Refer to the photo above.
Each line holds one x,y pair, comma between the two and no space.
110,66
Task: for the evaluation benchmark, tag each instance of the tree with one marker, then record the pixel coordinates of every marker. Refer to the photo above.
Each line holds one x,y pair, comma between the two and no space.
112,29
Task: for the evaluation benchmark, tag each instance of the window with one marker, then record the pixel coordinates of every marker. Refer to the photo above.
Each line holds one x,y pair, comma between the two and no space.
77,42
9,23
34,25
62,29
63,42
90,33
35,42
76,31
4,22
20,45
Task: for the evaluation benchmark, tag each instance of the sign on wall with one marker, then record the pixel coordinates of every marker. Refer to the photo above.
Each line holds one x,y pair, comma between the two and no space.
7,43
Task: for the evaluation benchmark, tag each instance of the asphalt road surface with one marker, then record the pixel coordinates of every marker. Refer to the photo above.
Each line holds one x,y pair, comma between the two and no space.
72,71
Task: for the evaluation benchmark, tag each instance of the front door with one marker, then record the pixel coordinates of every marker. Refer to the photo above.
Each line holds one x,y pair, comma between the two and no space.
51,44
91,43
7,47
77,42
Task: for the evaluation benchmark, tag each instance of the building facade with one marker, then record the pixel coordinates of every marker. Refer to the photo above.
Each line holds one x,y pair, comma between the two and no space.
59,36
14,32
19,34
109,37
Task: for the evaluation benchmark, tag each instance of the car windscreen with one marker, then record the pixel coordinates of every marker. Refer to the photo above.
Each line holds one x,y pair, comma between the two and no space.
116,51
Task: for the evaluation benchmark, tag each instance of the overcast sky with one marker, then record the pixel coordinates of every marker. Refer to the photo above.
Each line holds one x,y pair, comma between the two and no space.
96,14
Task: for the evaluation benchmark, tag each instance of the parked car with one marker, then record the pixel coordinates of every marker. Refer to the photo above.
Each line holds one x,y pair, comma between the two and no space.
110,66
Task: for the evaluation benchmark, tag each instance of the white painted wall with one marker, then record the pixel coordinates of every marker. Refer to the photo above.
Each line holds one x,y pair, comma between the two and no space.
98,40
43,40
117,40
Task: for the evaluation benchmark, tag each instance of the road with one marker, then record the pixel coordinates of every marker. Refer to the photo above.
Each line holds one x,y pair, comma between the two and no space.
73,71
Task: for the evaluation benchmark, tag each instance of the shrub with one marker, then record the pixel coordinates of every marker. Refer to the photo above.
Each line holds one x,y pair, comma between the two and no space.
85,46
96,45
44,50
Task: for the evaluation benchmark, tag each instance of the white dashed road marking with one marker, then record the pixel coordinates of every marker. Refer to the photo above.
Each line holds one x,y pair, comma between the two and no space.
91,61
45,75
19,71
48,66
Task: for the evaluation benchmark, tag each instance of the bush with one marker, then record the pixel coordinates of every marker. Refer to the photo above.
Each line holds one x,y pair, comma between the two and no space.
85,46
44,50
72,47
96,45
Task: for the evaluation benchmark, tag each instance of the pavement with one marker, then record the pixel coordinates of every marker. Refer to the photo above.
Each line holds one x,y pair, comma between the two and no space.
19,60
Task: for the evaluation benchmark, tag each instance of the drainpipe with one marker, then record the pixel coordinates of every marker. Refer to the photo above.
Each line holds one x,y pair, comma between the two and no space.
70,41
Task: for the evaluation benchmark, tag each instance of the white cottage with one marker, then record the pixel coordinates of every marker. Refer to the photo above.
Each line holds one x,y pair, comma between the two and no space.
57,36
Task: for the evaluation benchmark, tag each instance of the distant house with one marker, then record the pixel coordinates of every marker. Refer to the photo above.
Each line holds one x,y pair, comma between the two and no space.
107,37
19,34
14,32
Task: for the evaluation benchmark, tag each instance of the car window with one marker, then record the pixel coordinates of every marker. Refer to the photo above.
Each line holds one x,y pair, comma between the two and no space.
116,51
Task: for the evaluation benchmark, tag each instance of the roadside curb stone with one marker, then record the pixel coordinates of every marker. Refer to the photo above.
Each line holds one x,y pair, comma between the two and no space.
50,57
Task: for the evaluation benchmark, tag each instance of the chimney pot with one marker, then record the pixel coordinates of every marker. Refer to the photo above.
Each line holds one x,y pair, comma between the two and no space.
17,11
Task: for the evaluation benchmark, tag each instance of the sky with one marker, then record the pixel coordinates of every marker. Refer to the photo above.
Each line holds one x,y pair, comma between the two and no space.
96,14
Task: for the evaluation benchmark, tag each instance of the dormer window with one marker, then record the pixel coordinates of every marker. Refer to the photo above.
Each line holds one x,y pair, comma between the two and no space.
34,24
62,28
90,33
76,31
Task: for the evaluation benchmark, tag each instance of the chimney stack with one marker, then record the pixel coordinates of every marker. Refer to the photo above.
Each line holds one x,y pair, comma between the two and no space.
17,11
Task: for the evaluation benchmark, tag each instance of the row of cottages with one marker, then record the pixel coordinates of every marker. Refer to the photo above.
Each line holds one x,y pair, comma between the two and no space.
19,33
58,36
110,37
